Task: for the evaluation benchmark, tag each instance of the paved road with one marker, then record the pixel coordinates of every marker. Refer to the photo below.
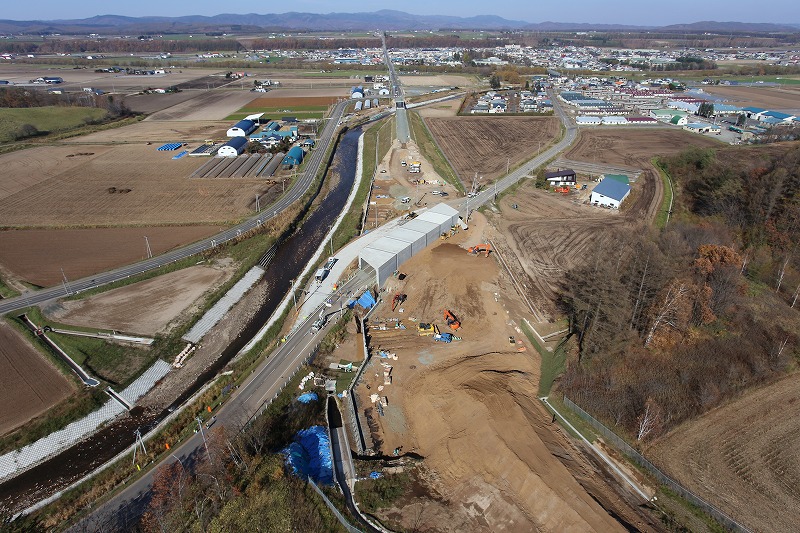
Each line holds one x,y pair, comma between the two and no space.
313,164
260,388
402,131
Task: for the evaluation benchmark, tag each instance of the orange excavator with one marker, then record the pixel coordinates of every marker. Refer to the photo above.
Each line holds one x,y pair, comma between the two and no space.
451,320
485,248
397,300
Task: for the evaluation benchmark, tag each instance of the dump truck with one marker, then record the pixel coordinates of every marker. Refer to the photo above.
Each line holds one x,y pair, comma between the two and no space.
424,328
485,248
451,320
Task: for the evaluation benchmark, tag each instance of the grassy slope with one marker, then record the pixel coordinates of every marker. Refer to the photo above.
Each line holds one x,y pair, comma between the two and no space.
46,119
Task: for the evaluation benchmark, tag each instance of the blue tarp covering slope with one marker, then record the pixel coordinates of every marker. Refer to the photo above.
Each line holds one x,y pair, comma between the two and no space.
308,397
366,300
310,455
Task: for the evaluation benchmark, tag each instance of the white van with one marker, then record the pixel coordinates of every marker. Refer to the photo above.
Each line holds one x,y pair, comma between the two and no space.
320,275
405,200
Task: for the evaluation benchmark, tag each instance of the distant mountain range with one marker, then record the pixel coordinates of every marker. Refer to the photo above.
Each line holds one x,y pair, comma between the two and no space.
379,20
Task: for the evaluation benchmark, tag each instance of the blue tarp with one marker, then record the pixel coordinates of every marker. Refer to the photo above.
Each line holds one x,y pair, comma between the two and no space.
308,397
366,300
310,455
375,475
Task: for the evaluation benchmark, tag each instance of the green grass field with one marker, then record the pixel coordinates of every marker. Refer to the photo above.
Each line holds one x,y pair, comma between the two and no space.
45,119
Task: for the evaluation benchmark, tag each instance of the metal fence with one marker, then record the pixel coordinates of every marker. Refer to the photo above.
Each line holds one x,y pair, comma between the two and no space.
339,516
723,519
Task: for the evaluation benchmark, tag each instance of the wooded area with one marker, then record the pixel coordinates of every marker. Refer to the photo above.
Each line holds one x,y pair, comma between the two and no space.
669,325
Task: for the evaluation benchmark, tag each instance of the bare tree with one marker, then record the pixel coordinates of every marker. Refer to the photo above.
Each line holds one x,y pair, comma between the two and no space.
650,421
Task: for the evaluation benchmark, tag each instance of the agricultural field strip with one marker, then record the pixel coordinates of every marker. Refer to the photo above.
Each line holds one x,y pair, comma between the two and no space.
17,461
293,194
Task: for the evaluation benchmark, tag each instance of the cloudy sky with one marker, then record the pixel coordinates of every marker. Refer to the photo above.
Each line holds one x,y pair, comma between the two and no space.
640,12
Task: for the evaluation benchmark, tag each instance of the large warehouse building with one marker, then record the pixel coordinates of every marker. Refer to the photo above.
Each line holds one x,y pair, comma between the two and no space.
233,147
242,128
385,255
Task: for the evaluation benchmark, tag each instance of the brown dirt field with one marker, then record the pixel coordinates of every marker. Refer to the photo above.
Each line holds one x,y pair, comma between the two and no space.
206,105
290,101
441,109
440,80
634,148
485,144
742,457
39,164
160,192
470,407
155,131
147,307
548,234
29,383
775,98
37,256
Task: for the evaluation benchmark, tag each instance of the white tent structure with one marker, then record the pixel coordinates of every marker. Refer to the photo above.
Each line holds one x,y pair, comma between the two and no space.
385,255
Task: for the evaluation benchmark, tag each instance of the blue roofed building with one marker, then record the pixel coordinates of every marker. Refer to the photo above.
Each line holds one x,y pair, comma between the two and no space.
783,117
293,158
243,128
609,193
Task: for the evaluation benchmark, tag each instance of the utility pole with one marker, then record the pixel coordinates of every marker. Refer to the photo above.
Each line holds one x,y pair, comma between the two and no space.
331,229
258,206
508,165
64,281
294,295
147,246
202,434
139,443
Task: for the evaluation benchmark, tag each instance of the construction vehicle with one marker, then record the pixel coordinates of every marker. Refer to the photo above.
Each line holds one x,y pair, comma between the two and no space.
424,329
485,248
397,300
443,337
451,320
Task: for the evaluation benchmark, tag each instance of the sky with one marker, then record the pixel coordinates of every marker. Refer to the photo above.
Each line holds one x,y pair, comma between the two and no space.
635,12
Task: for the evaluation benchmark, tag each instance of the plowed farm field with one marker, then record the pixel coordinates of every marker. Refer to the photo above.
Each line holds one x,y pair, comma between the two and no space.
742,457
123,185
38,255
29,384
486,145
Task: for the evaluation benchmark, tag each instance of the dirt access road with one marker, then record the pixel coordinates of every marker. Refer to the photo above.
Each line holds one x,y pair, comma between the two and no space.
470,408
29,383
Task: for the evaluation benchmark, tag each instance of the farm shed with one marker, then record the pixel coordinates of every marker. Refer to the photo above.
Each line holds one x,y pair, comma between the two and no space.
242,128
614,121
357,92
294,157
233,147
609,193
561,177
587,121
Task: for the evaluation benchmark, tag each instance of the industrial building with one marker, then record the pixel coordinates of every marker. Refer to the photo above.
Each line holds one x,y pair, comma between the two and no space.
609,193
385,255
243,128
233,147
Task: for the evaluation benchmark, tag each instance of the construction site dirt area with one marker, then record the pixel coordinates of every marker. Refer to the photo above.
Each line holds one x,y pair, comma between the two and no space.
544,234
490,145
742,457
147,307
440,109
129,185
469,407
783,98
38,256
29,383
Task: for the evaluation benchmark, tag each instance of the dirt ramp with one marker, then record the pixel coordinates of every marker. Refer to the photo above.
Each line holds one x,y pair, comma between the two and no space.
476,424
